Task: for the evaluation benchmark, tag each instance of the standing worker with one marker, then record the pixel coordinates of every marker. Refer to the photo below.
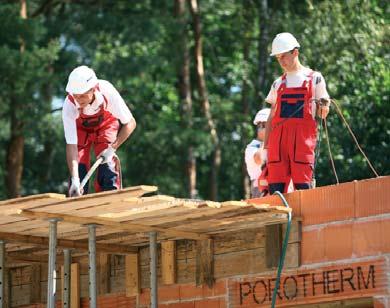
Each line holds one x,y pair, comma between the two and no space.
291,131
253,151
94,114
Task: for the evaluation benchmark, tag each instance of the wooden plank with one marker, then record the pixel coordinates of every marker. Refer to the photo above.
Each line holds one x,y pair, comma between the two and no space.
64,243
240,262
205,263
104,270
112,224
140,207
132,275
75,285
179,216
101,198
32,200
273,245
168,262
234,223
7,286
30,258
239,241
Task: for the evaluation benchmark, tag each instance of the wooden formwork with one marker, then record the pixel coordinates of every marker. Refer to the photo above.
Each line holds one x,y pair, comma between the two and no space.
124,218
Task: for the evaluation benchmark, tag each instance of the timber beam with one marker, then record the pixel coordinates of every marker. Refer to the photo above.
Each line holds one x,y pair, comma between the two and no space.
63,243
121,226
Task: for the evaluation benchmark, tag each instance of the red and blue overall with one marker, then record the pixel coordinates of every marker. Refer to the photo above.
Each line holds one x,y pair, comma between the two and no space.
98,130
292,139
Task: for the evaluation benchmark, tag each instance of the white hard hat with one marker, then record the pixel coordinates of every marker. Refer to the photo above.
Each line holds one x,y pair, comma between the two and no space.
283,42
262,116
81,79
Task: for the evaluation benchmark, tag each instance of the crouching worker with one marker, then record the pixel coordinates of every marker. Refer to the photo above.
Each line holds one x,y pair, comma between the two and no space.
253,152
94,116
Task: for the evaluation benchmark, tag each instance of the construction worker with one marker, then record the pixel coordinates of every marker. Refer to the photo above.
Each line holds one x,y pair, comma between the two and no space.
94,115
253,151
296,98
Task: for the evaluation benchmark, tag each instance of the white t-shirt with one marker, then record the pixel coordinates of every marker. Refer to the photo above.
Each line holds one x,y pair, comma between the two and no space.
253,169
115,105
296,79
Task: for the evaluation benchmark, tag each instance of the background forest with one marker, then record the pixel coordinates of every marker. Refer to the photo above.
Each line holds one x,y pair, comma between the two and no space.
193,73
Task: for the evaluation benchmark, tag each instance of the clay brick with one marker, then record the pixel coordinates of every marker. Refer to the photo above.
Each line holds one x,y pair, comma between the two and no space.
219,288
191,291
328,203
188,291
385,231
372,196
169,293
179,305
209,303
367,239
144,297
293,199
381,302
271,200
313,246
338,241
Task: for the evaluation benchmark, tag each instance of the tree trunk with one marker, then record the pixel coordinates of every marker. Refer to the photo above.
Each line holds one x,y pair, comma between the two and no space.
185,96
262,48
203,95
247,22
14,160
15,149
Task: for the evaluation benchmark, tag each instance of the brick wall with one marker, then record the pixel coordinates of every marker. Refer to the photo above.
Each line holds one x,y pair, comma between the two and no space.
343,221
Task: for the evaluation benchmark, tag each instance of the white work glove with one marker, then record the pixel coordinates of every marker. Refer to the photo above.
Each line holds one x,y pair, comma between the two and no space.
107,154
74,189
264,156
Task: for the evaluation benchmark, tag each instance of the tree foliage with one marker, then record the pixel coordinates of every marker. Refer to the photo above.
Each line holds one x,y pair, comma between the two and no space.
135,45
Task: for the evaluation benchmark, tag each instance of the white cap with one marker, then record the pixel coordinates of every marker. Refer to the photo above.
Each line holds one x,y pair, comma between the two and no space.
262,116
283,42
81,79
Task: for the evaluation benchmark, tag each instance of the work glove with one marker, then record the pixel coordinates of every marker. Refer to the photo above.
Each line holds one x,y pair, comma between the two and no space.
107,154
264,156
74,189
323,106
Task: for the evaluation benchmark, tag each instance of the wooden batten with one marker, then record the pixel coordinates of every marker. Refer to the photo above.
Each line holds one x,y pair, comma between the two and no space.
7,287
104,270
75,285
65,243
35,291
273,245
168,262
205,262
132,275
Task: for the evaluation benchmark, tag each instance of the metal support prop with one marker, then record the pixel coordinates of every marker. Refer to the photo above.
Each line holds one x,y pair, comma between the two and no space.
153,269
92,265
52,274
2,269
66,286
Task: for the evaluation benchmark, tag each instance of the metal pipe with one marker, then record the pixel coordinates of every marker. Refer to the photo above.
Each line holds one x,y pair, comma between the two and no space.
153,269
52,274
92,265
2,268
66,285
